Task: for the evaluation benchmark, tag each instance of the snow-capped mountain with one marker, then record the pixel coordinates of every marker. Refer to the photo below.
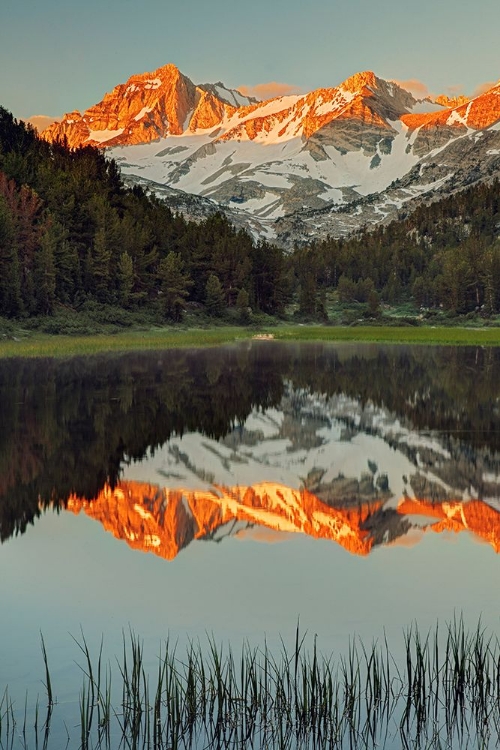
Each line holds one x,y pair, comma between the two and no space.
293,167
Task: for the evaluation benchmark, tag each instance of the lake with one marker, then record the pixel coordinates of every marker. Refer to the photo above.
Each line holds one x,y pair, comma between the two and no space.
241,494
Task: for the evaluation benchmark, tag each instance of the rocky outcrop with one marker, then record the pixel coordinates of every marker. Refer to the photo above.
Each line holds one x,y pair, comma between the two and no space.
451,101
210,112
436,129
363,99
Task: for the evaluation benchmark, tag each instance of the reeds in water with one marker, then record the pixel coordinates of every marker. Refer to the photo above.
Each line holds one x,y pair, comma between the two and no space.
445,692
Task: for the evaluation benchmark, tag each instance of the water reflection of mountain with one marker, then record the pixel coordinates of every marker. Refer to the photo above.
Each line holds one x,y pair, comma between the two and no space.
68,428
163,521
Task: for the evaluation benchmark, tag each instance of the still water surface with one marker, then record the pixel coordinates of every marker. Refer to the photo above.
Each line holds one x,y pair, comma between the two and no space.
239,491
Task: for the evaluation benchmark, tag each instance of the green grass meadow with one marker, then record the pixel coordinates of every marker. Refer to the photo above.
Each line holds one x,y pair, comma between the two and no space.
36,344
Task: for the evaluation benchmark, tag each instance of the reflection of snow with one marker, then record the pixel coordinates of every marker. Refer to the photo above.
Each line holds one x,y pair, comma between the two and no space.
268,422
314,441
274,446
421,441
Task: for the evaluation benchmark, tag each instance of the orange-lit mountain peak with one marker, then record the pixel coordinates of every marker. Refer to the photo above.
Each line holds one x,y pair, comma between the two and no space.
359,81
164,102
165,71
462,113
165,75
146,107
484,110
451,101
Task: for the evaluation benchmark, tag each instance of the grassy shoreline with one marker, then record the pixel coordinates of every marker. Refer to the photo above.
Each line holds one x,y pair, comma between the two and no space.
44,345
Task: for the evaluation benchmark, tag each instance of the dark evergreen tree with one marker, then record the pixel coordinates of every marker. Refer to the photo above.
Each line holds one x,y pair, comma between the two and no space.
44,274
125,278
10,277
243,307
215,302
175,286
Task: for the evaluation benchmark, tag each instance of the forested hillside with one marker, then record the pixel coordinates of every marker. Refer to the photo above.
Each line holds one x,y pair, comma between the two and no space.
446,255
71,232
72,235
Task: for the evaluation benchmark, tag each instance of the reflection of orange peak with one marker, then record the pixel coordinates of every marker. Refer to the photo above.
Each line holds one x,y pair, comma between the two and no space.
156,519
457,515
163,521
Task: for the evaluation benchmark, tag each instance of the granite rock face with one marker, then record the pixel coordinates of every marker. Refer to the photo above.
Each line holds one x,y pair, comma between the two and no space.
147,107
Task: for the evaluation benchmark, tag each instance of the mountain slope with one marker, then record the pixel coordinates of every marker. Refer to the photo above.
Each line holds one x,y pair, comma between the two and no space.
294,167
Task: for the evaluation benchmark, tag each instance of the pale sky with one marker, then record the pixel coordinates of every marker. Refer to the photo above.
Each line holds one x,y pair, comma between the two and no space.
61,55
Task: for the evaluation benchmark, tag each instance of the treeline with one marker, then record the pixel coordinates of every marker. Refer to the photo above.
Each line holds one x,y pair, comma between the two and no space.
72,235
444,255
70,231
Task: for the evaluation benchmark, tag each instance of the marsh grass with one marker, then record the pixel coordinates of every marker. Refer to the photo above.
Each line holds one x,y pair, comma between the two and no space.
392,334
29,344
41,345
444,692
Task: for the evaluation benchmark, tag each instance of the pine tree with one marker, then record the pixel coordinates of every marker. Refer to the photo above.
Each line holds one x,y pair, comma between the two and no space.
214,296
243,307
175,285
66,264
308,294
125,278
101,271
270,286
44,275
10,275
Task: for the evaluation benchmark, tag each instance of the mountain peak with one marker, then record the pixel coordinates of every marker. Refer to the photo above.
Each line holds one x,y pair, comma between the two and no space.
356,83
144,108
149,106
168,69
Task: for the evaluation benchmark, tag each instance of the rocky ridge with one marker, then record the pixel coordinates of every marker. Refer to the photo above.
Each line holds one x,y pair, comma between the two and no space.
294,167
147,107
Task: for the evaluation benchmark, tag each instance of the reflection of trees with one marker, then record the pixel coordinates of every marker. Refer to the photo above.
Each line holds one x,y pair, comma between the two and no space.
67,426
452,389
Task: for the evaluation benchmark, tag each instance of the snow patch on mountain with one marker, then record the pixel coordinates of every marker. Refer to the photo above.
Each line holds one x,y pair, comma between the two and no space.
101,136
